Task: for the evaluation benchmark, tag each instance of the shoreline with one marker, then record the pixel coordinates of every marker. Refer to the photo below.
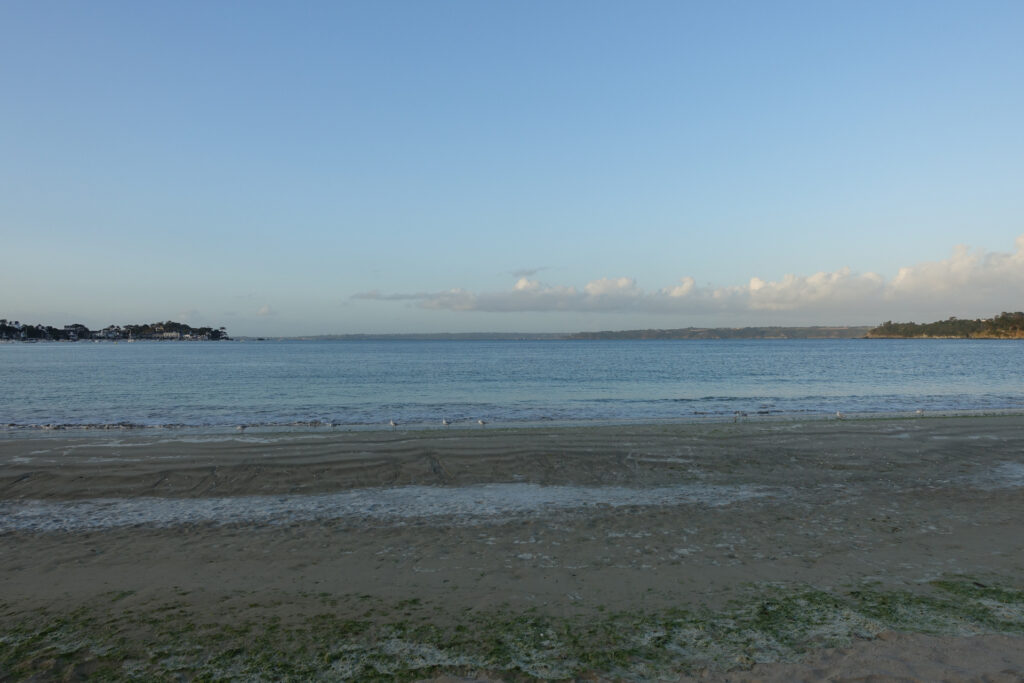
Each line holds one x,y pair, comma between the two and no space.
616,551
310,461
17,430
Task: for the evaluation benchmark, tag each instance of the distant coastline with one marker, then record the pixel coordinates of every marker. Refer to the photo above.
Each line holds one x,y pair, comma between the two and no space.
1003,326
165,331
813,332
652,334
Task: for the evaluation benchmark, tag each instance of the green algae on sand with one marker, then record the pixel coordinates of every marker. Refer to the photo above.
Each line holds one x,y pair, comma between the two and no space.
355,637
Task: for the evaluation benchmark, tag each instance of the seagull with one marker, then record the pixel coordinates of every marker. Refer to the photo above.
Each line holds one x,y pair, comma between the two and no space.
481,422
392,423
241,428
839,415
445,421
920,412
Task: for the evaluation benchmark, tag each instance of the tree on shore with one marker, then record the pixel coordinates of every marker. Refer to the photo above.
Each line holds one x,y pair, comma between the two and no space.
75,331
1003,326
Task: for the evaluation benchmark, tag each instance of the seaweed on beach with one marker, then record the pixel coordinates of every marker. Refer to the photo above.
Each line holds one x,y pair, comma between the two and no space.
404,641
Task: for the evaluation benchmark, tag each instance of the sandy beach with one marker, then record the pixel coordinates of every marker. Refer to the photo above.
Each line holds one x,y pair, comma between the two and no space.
771,550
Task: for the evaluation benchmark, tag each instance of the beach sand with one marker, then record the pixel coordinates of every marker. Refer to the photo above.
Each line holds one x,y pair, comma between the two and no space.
889,549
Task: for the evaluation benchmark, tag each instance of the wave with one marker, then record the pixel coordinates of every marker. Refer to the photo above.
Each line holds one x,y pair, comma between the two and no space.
696,416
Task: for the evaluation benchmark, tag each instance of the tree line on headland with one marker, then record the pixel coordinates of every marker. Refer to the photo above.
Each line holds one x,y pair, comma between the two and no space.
1003,326
170,330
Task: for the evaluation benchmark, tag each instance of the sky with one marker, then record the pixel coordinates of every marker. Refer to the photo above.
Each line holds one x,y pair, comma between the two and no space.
386,167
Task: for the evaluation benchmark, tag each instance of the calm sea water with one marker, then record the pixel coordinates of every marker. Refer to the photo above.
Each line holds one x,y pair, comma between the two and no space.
416,383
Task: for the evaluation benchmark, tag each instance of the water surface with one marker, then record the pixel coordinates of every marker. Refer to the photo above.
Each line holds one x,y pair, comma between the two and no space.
417,383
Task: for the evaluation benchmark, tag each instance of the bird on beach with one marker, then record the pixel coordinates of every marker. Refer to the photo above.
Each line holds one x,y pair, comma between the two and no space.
393,424
919,412
839,415
445,422
241,428
481,422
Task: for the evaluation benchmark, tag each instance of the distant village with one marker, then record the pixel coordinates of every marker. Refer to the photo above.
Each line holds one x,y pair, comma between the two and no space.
13,330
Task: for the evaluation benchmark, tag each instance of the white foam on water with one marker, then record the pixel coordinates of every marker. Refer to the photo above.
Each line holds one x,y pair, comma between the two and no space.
464,505
1006,475
1010,474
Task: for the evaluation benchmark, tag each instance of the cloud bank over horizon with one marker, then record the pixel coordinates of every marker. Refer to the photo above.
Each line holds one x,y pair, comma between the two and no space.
971,281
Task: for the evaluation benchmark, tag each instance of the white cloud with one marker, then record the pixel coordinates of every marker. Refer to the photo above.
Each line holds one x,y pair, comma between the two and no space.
966,271
613,287
680,290
972,282
265,309
829,289
525,285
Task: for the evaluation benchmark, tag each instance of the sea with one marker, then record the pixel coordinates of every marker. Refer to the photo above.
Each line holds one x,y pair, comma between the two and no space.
367,384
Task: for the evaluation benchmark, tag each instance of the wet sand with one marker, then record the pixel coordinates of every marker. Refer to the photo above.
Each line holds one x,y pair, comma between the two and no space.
751,551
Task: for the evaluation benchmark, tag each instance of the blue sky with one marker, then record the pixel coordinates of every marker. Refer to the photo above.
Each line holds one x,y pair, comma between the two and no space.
497,166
